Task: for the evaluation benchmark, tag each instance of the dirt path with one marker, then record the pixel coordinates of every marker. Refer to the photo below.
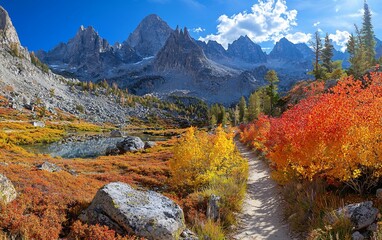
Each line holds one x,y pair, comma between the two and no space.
261,215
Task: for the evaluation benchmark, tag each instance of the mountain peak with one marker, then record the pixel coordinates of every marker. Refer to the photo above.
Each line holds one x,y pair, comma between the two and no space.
286,50
150,36
181,52
9,34
245,49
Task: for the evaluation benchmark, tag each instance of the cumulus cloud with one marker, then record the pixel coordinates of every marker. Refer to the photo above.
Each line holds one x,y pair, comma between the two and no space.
299,37
198,30
268,20
340,38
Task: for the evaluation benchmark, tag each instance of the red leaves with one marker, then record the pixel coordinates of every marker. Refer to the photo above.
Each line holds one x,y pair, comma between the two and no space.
332,135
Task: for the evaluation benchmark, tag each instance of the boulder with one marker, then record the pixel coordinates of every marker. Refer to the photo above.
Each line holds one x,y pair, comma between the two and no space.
149,144
361,214
7,190
187,234
130,144
50,167
38,124
116,133
129,211
357,236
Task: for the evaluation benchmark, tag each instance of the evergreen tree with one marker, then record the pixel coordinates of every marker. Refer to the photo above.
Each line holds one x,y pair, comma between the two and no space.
253,106
317,49
236,115
327,55
272,88
242,109
368,37
357,52
223,116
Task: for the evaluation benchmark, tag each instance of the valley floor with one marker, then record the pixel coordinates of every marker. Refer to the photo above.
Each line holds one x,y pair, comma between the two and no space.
261,217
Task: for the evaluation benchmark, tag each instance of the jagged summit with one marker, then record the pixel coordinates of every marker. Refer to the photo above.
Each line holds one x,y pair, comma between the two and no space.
286,50
246,50
213,50
8,32
87,55
181,52
150,36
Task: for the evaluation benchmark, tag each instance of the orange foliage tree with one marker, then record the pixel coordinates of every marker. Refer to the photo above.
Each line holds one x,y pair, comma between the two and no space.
335,135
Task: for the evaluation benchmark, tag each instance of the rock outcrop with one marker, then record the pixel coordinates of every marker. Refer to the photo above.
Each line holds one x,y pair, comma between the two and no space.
50,167
7,190
246,50
181,53
361,215
214,50
150,36
130,144
8,33
129,211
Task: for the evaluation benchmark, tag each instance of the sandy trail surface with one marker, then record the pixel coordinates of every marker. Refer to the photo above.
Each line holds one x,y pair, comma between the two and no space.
261,217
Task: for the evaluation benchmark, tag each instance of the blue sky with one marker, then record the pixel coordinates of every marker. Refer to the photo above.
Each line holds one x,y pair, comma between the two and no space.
42,24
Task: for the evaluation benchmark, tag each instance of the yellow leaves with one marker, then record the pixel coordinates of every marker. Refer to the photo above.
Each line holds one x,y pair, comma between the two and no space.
200,157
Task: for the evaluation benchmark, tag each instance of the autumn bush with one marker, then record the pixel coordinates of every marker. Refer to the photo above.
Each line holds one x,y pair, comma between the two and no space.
200,158
208,163
336,136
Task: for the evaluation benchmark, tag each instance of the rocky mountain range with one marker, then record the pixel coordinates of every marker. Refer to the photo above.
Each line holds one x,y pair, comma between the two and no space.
159,60
26,85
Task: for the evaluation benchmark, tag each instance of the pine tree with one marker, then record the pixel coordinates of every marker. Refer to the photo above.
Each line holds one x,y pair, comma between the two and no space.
356,49
368,37
236,115
223,116
242,109
317,49
253,106
272,89
327,55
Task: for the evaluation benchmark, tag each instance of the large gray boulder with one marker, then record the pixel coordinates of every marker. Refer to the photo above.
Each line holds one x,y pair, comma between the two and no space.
7,190
361,214
130,144
144,214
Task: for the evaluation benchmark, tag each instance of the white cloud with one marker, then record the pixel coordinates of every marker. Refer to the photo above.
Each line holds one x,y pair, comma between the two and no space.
198,30
316,24
268,20
299,37
340,39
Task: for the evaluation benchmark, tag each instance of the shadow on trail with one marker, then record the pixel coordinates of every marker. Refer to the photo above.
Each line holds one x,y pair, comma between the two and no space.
261,216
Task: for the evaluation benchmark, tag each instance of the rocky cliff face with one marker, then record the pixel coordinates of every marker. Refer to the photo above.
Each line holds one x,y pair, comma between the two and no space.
150,36
246,50
181,53
24,84
285,50
8,33
305,50
88,55
213,50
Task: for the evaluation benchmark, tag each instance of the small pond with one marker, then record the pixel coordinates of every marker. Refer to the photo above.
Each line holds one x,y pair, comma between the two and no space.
90,148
